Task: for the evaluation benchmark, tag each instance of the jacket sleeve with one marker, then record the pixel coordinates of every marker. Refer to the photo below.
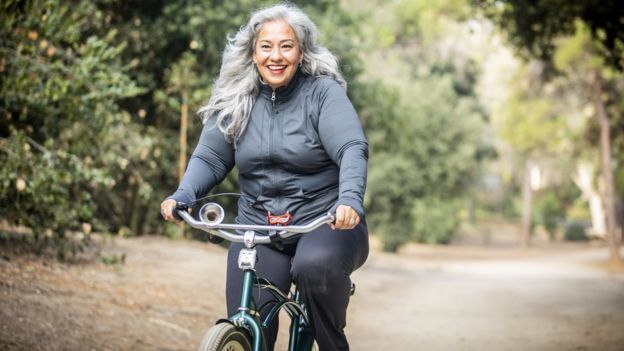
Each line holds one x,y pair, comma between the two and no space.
209,164
343,138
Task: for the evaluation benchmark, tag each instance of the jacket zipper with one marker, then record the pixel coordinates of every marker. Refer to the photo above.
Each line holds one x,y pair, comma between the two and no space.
278,201
273,99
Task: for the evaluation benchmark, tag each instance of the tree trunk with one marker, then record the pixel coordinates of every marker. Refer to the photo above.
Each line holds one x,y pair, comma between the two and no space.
182,158
527,207
607,171
183,128
135,209
584,180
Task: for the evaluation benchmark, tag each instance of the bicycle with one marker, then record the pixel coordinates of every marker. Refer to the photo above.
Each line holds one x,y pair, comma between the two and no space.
243,331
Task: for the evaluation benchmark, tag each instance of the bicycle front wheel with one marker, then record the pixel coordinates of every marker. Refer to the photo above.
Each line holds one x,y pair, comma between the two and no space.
225,337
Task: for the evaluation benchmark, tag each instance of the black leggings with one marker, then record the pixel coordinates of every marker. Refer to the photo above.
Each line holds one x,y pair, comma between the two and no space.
320,263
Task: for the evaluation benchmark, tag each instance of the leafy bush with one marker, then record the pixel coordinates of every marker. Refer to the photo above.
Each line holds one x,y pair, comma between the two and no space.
421,151
575,231
548,212
60,97
435,220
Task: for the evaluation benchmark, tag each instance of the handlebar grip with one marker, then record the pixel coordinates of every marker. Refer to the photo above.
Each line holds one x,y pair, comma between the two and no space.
180,206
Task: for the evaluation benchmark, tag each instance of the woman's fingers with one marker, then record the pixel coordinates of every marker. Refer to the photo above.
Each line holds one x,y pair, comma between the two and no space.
166,209
346,218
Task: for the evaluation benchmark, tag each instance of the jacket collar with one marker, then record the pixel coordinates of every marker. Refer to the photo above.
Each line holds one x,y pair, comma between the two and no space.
285,92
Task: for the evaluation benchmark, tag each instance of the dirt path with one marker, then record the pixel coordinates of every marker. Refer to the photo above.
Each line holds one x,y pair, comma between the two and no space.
167,292
541,301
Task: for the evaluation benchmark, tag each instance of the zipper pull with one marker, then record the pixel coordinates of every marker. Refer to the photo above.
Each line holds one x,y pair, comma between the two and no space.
273,98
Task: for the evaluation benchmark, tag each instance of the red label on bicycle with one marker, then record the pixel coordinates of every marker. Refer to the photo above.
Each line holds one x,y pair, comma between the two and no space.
283,219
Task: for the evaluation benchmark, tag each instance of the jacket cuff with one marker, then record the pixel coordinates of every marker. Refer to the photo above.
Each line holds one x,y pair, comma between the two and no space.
181,196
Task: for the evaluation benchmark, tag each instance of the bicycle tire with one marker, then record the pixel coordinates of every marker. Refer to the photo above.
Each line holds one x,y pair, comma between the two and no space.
225,337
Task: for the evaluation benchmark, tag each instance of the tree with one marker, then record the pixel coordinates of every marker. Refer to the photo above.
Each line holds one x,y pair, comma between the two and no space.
535,126
535,26
422,120
424,157
534,29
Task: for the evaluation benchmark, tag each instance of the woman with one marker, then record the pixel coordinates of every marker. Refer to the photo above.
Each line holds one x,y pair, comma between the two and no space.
279,113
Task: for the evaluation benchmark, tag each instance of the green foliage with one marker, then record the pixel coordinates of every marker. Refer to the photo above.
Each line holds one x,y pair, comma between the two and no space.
534,27
435,220
114,259
575,231
422,151
422,119
548,212
60,93
555,204
583,41
531,125
427,20
46,190
578,210
577,50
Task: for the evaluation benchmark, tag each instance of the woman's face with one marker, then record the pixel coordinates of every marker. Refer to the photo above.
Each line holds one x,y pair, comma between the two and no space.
277,53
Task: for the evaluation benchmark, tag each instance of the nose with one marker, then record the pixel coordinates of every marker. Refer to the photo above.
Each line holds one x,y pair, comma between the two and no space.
276,54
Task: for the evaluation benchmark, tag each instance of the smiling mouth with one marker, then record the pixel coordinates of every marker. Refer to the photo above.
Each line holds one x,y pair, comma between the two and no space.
276,68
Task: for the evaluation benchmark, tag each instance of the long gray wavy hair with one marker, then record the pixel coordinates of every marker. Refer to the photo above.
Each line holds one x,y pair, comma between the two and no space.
238,84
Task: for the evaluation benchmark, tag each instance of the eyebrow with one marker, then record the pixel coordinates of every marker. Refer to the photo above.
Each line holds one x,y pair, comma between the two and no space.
281,42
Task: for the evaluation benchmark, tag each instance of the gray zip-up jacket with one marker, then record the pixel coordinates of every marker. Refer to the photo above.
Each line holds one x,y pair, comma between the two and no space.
303,151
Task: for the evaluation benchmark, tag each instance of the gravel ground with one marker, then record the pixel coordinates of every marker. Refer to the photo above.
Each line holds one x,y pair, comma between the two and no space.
167,292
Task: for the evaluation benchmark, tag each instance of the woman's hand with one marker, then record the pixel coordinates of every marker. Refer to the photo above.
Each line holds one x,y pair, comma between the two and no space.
346,218
166,210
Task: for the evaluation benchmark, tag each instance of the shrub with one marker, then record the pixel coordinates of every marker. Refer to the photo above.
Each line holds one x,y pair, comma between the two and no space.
575,231
548,210
435,220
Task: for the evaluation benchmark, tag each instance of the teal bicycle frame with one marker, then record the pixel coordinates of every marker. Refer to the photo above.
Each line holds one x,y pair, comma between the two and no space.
248,316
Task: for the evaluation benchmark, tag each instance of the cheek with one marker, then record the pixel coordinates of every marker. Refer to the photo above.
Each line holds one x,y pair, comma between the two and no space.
259,57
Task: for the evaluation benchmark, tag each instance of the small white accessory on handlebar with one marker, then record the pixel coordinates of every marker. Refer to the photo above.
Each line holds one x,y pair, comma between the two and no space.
247,259
249,239
211,213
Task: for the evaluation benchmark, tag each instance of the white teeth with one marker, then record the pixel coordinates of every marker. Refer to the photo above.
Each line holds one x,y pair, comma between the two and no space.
276,67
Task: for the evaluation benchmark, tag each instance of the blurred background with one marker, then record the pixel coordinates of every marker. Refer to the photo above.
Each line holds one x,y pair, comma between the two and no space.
495,190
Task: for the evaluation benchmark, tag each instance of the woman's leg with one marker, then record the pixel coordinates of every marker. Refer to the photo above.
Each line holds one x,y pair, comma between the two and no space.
272,265
321,267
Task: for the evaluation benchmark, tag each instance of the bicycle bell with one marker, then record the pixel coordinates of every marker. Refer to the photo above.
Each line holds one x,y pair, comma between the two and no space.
211,213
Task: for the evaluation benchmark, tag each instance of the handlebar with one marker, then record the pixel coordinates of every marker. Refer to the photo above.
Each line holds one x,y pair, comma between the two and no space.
211,216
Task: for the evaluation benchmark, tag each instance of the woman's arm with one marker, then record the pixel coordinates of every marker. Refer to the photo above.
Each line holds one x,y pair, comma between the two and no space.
343,138
209,164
